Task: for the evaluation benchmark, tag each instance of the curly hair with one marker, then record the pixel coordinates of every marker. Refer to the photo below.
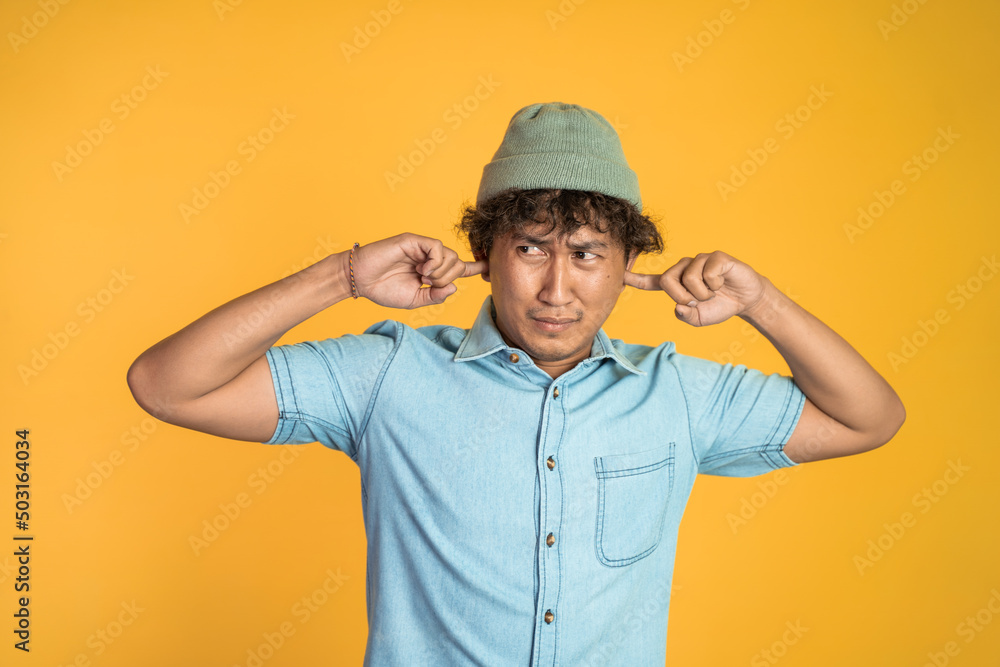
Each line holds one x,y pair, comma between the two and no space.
563,210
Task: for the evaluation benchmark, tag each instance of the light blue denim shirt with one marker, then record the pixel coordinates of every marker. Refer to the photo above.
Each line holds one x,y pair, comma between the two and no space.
513,519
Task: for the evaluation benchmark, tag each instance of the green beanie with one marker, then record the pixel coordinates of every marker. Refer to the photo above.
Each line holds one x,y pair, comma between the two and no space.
558,145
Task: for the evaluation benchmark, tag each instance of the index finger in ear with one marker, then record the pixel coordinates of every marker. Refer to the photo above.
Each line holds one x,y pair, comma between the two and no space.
454,268
475,268
642,280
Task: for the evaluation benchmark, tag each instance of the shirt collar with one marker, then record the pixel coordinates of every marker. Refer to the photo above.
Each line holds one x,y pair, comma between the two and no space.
484,339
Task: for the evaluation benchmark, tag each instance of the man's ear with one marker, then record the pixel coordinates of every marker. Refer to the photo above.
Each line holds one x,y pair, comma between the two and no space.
482,257
631,260
628,265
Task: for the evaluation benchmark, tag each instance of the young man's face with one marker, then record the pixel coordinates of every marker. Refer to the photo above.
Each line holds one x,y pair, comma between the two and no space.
553,293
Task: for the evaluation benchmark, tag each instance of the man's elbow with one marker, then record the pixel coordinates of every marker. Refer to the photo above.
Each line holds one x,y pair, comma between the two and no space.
142,383
890,423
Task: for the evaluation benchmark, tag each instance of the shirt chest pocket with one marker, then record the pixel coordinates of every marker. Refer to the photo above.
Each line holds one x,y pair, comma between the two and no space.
632,493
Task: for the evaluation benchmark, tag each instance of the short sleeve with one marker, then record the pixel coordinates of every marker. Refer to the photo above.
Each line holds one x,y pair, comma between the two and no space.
325,389
740,418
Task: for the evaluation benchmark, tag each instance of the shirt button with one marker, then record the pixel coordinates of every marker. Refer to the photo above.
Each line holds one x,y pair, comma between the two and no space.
550,539
555,392
514,358
550,462
549,616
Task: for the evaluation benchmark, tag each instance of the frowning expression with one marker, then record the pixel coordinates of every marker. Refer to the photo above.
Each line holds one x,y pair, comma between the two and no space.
553,293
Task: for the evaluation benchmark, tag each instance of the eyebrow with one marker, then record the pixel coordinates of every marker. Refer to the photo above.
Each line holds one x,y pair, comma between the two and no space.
576,246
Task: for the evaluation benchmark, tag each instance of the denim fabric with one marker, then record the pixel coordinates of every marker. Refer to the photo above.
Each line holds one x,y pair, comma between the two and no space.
493,494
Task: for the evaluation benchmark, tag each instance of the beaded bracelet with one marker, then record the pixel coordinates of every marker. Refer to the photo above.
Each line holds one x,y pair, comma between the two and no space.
350,262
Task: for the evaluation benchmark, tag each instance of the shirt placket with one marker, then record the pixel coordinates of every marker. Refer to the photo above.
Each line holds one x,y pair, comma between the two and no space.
549,562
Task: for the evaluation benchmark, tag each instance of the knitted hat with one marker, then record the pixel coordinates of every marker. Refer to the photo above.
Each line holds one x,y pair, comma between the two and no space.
558,145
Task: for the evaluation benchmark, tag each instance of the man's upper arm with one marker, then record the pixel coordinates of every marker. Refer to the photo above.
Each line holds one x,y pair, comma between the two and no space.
316,391
818,436
245,408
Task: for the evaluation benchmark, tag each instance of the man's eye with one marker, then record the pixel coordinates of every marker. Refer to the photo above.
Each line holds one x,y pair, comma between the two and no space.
529,250
584,255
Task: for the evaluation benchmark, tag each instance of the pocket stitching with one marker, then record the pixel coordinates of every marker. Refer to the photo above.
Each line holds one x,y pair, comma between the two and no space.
625,472
603,475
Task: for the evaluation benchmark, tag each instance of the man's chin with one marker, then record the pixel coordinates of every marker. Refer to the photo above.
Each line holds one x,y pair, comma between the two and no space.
556,353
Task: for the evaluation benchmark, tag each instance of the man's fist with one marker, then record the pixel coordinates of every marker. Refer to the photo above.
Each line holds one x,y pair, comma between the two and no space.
392,272
709,288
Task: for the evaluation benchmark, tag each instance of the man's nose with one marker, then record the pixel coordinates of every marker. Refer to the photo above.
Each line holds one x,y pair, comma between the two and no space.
557,283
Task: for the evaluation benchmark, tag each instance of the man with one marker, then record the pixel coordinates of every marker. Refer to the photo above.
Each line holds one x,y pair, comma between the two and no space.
523,481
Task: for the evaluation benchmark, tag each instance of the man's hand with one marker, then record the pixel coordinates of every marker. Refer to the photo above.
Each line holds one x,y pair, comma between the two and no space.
394,271
708,288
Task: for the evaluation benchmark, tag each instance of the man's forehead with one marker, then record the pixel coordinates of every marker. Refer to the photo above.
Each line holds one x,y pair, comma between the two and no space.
544,232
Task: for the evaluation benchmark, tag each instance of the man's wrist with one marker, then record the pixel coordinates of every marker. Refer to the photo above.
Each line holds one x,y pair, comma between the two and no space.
331,278
768,307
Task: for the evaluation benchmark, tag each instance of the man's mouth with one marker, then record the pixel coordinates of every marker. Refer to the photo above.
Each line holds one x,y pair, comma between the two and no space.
554,324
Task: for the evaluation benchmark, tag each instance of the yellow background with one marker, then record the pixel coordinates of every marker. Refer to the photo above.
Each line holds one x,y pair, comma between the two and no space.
320,184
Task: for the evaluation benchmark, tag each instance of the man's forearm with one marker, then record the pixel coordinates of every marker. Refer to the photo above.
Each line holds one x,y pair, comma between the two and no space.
218,346
831,373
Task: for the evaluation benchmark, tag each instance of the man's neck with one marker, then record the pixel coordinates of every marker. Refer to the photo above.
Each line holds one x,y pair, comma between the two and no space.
557,368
